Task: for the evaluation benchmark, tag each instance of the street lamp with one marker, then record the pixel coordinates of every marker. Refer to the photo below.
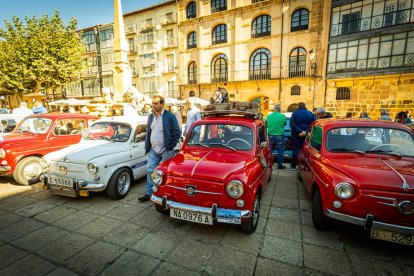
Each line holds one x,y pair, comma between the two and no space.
313,67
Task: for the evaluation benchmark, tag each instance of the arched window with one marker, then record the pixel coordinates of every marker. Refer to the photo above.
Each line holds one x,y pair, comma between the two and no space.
260,64
297,63
219,34
219,68
191,10
192,40
192,73
300,20
218,5
261,26
343,93
295,90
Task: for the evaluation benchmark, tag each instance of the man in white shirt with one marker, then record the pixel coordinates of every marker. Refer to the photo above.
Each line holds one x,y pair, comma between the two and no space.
193,114
22,110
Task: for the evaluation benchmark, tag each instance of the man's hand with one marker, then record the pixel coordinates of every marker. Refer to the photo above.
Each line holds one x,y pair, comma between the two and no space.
302,134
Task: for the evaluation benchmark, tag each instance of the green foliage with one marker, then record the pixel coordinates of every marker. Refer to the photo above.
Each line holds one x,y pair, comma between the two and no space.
40,52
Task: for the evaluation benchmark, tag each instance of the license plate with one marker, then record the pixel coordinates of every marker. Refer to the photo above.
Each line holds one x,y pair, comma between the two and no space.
390,236
67,182
191,216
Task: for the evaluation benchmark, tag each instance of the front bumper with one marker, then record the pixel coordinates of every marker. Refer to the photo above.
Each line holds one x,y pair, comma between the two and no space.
5,169
232,216
368,223
73,191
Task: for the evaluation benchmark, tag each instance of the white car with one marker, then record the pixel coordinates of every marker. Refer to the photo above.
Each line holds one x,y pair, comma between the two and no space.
110,156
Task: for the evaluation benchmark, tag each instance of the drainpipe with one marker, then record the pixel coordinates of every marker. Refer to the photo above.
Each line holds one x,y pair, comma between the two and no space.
281,54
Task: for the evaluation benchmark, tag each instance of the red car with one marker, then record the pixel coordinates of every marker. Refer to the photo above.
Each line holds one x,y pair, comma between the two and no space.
361,172
36,135
219,175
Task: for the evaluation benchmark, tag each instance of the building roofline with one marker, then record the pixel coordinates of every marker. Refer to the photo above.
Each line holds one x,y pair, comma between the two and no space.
160,4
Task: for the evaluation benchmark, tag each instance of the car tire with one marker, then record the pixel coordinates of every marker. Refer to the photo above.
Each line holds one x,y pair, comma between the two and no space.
318,218
161,210
119,184
249,225
28,171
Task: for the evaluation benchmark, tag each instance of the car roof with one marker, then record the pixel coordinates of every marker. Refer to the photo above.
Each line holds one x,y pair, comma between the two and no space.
345,122
63,116
225,119
124,119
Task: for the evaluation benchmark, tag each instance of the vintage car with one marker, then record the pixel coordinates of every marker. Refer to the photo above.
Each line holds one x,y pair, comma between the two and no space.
35,136
8,122
361,172
110,156
220,173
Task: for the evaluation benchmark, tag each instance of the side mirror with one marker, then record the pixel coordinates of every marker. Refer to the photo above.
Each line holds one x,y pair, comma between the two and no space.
263,144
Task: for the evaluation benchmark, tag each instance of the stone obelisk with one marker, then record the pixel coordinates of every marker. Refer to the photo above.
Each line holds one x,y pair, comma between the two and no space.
122,72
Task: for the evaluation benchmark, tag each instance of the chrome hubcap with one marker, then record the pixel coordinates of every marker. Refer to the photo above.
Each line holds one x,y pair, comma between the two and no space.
124,181
32,170
256,209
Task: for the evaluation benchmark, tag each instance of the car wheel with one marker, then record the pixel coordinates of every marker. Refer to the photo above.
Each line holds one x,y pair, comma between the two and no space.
318,217
249,225
119,184
28,171
161,210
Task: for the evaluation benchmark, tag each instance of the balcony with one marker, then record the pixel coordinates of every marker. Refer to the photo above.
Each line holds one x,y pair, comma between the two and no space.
147,25
147,48
90,47
169,69
131,29
169,42
134,72
133,50
169,18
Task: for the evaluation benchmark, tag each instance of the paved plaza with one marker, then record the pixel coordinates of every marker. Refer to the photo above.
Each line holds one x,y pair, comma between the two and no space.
44,234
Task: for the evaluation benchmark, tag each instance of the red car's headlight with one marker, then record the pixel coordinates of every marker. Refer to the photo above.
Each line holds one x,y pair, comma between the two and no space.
235,188
157,177
344,190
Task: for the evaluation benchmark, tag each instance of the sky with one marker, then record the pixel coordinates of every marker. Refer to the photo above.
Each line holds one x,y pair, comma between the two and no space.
87,12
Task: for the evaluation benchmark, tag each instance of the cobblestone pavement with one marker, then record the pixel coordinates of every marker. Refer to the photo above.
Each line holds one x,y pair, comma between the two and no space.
43,234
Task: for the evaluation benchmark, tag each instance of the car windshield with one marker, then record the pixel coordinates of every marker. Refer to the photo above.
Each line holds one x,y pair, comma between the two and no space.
370,140
111,131
34,125
7,125
231,136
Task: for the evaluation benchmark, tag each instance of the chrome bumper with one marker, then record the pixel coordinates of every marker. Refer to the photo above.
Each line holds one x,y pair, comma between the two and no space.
232,216
4,169
79,184
369,223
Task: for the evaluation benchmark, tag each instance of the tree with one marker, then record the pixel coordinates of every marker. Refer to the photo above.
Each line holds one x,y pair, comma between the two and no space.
42,52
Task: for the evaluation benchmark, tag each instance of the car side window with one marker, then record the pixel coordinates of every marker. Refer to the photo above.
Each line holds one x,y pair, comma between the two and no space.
262,134
140,133
69,127
316,138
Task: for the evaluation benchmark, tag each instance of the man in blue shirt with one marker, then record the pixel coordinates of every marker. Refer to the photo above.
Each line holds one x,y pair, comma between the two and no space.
299,123
276,130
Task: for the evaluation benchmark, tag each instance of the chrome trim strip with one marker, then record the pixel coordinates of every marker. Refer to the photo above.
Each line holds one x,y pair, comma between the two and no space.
375,224
404,185
5,168
199,161
394,200
197,191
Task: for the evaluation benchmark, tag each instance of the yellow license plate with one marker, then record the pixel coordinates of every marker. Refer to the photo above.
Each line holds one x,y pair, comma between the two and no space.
190,216
390,236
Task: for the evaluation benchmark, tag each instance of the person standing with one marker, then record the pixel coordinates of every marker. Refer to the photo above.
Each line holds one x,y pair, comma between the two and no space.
364,115
322,114
384,115
163,134
146,110
276,122
38,108
193,114
299,123
22,110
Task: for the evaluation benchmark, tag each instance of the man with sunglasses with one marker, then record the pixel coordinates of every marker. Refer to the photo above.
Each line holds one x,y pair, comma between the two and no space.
163,134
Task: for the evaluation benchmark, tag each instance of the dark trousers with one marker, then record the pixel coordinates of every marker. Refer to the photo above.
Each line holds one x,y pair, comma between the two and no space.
277,143
297,143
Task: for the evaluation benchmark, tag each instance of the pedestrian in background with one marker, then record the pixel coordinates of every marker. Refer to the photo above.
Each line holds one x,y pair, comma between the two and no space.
300,124
384,115
177,114
163,134
364,115
193,114
321,113
348,115
276,122
38,108
22,110
402,118
146,110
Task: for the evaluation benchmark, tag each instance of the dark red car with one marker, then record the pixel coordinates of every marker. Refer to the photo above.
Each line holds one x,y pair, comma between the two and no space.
219,175
35,136
361,172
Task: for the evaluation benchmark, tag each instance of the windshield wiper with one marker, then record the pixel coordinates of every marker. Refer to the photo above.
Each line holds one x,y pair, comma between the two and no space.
104,138
347,150
387,152
199,144
224,145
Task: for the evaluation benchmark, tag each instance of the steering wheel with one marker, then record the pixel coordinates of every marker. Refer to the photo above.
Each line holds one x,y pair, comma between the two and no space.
122,137
394,147
239,139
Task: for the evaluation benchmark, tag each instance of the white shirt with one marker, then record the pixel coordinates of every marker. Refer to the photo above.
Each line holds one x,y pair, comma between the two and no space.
22,111
157,134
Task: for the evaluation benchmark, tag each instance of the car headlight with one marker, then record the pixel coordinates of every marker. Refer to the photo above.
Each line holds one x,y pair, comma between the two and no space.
44,163
235,188
344,190
92,168
2,153
156,177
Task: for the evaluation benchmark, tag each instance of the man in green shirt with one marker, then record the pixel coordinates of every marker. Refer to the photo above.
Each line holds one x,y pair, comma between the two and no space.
276,129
